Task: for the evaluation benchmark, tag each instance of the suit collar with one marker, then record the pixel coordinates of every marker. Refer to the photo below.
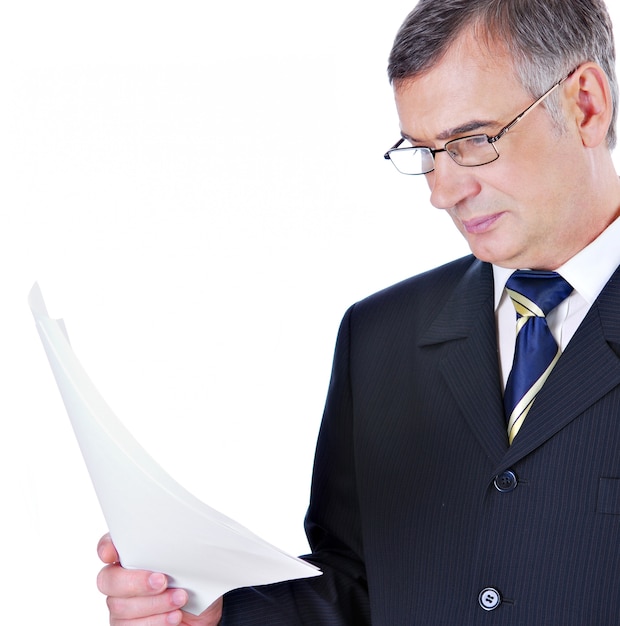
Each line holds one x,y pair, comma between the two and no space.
608,306
461,312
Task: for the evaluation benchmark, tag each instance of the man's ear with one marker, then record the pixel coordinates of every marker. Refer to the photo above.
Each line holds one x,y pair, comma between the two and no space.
590,103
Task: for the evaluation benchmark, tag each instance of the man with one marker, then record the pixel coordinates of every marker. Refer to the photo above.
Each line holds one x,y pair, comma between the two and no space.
426,508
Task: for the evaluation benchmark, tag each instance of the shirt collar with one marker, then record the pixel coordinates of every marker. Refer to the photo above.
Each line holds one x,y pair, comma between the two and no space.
588,271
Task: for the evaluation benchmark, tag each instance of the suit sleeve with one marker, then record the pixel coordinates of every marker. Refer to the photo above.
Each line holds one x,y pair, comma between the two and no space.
340,596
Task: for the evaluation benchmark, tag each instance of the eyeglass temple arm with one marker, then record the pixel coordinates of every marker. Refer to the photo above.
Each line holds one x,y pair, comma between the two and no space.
533,105
387,154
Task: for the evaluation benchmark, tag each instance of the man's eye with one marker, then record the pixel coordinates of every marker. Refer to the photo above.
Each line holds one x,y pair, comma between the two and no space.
476,140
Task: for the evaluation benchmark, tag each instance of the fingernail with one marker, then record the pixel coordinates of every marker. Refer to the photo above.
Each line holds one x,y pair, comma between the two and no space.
157,582
179,597
174,619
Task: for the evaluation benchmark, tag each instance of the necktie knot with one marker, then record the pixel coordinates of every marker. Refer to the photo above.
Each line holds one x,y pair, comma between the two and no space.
536,292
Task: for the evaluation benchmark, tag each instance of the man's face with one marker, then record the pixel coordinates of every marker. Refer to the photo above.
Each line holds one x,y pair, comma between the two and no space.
525,209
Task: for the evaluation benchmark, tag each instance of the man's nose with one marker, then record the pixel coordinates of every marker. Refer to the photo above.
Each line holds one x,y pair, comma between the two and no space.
451,183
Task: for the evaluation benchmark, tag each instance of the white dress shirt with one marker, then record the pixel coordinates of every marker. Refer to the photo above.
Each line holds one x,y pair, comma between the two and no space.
587,272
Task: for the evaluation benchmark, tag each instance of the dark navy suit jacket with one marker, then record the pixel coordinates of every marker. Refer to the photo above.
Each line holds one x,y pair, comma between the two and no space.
405,517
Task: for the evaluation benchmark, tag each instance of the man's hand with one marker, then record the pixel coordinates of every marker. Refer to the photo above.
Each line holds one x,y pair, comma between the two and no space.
140,598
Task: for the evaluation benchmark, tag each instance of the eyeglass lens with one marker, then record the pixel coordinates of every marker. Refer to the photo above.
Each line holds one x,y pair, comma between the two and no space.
466,151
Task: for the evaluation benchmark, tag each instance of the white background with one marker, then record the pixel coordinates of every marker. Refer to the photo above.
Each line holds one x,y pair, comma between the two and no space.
200,192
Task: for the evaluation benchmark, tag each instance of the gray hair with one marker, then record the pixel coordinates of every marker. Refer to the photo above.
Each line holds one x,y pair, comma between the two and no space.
546,39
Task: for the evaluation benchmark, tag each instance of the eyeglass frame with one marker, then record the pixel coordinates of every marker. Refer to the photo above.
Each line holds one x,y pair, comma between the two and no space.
492,140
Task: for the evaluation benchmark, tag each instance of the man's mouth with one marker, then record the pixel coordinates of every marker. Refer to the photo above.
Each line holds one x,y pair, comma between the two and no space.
479,225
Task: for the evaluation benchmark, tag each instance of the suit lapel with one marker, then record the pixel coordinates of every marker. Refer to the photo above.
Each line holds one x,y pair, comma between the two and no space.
469,365
588,369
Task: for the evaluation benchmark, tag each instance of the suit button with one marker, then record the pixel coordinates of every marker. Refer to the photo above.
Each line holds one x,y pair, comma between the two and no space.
489,599
506,481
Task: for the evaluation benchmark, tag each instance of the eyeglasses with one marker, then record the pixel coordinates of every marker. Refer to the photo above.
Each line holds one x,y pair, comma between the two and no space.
470,151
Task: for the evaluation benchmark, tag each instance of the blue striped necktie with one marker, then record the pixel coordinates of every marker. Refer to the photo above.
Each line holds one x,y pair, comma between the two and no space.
534,294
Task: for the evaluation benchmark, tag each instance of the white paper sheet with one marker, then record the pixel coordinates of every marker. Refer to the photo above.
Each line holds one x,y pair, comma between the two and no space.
155,523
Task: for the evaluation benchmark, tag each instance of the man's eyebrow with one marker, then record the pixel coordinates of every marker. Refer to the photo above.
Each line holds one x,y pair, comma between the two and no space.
468,127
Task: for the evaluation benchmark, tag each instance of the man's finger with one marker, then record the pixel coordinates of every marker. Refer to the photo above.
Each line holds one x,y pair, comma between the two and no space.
106,550
113,580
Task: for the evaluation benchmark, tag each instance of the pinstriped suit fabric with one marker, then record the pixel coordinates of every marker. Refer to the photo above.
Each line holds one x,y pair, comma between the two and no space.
404,519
